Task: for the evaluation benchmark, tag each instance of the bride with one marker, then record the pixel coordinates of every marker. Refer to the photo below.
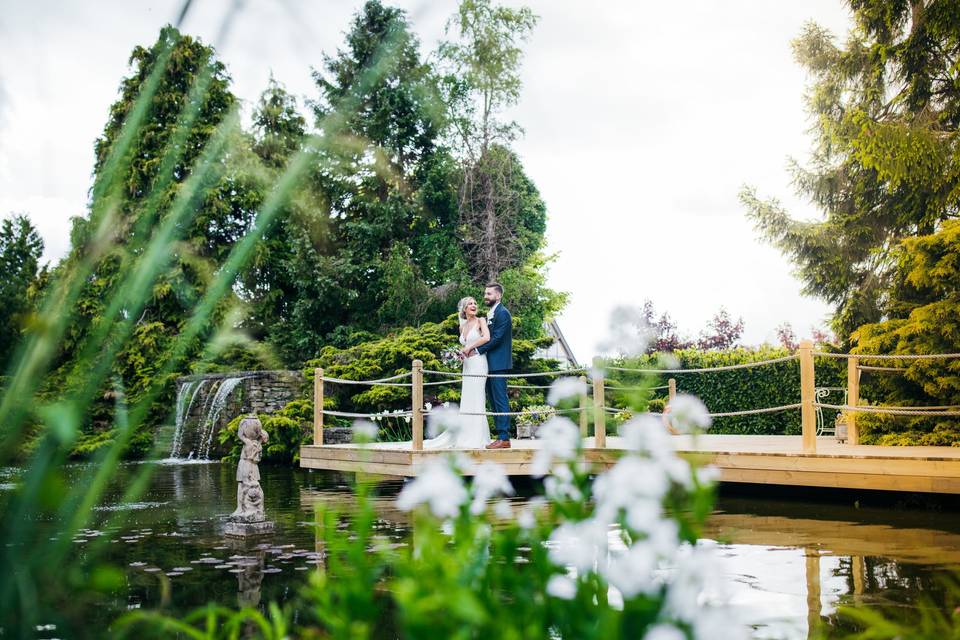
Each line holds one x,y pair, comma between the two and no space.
472,431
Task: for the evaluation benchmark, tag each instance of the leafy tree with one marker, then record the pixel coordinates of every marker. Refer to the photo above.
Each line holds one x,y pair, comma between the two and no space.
20,249
886,161
662,331
722,332
481,80
787,337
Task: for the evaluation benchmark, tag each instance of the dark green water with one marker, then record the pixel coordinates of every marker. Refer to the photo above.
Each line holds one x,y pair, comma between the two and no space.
787,563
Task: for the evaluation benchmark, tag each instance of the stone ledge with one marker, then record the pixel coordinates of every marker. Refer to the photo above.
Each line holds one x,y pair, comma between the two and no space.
241,374
245,529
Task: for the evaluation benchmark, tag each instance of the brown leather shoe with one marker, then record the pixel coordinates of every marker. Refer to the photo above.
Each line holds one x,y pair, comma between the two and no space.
499,444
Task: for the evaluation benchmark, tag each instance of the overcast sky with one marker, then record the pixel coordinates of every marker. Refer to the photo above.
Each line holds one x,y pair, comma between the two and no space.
642,120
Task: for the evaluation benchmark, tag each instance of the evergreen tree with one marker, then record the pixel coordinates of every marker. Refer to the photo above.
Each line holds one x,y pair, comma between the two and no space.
391,192
20,250
191,102
925,318
886,161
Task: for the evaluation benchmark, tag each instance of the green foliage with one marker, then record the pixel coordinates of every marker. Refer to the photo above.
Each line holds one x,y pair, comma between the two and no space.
20,250
394,354
925,318
749,388
538,414
886,161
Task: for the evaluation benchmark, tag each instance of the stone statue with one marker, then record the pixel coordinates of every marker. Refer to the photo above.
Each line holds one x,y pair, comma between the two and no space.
249,517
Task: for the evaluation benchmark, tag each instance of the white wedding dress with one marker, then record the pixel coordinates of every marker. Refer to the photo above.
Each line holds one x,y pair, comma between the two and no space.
473,432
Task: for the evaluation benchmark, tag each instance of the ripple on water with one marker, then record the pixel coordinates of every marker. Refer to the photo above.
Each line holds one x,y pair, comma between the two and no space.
130,506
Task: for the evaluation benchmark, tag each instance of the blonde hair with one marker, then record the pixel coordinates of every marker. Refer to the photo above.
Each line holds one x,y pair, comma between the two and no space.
461,307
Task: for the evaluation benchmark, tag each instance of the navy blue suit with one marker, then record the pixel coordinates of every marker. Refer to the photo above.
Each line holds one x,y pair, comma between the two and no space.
499,352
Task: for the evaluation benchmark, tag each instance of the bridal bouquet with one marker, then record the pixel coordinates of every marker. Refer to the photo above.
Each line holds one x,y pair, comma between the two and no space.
451,357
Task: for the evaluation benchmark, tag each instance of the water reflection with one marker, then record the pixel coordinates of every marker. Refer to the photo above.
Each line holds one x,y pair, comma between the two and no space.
788,565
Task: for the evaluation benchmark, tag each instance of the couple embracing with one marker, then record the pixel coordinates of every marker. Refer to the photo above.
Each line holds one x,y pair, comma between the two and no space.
487,349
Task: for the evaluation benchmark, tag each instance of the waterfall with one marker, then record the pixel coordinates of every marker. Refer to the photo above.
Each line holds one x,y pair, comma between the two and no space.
209,424
214,400
183,411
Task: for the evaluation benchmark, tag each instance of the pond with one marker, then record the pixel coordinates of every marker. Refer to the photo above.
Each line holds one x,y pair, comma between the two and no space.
787,563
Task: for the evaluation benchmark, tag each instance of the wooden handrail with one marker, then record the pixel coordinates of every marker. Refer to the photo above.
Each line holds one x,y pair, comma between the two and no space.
808,413
317,407
417,404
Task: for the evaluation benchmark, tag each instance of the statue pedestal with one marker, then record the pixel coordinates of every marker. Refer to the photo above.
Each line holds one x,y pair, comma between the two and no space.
237,529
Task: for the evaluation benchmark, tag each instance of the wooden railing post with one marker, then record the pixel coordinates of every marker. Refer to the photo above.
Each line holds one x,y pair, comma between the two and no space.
671,389
599,415
417,404
584,417
318,407
853,399
808,415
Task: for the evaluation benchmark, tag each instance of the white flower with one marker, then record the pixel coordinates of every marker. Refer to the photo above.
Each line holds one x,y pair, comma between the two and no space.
693,582
687,413
664,631
708,475
647,434
528,515
503,510
438,487
428,406
631,480
446,405
578,544
633,571
560,439
557,488
364,431
562,587
445,419
643,515
563,388
629,332
678,470
490,479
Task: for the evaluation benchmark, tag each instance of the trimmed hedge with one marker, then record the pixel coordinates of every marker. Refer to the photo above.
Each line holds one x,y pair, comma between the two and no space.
722,391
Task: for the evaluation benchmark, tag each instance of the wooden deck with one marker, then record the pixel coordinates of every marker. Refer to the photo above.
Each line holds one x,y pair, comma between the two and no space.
776,460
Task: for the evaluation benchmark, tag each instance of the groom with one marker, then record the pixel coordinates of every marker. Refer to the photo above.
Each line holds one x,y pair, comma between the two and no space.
499,351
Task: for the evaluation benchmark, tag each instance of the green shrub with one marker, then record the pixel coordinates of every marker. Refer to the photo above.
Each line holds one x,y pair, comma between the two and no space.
288,431
722,391
393,354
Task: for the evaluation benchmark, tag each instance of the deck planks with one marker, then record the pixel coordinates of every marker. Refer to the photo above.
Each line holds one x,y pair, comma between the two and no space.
775,460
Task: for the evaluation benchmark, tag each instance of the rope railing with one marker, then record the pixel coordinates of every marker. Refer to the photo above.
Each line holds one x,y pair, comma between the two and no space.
893,411
888,356
729,367
635,388
595,401
536,374
723,414
373,415
381,382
